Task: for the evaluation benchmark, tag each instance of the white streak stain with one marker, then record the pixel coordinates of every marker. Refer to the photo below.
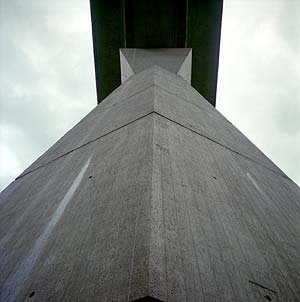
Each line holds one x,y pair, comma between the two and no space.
13,283
258,188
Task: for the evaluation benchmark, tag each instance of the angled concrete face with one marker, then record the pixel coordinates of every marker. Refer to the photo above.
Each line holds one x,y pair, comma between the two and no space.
153,196
176,60
185,70
126,69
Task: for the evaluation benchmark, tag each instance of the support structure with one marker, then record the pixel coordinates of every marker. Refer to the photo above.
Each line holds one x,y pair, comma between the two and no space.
153,196
194,24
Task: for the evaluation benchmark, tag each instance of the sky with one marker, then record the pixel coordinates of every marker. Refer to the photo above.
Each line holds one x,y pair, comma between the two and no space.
47,81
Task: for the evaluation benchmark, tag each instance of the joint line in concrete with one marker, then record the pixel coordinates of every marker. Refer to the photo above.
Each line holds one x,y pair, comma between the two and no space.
139,118
83,145
220,144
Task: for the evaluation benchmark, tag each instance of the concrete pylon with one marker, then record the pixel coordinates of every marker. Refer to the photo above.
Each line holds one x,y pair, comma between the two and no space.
153,196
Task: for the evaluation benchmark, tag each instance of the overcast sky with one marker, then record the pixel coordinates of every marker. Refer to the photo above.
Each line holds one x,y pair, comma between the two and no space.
48,84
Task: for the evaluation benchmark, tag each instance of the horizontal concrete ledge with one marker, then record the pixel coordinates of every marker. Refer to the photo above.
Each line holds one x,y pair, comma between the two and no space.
139,118
220,144
83,145
147,299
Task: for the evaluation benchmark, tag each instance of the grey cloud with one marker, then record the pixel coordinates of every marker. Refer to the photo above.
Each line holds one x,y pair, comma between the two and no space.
259,77
47,77
288,24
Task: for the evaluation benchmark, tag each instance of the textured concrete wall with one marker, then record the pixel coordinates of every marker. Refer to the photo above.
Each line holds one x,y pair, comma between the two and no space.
153,196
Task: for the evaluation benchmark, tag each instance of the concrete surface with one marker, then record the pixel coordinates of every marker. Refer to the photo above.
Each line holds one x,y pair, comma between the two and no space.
175,60
153,196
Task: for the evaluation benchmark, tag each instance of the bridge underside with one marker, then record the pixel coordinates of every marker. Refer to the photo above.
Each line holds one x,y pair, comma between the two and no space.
157,24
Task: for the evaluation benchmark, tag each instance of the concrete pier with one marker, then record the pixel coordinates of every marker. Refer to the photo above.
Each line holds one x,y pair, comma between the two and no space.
153,196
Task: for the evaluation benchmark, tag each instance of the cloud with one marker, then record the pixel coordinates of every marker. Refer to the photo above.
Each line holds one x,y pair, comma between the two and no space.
47,77
259,74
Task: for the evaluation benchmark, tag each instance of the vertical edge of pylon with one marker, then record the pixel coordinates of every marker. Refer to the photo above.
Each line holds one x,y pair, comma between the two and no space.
157,268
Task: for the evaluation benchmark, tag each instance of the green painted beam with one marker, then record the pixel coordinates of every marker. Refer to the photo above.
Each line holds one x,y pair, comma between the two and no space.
155,24
203,36
108,37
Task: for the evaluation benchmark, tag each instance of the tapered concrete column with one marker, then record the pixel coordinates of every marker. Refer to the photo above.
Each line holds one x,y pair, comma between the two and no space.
153,196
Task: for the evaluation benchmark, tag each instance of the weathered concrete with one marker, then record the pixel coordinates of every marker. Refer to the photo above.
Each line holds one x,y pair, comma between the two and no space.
153,196
157,24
